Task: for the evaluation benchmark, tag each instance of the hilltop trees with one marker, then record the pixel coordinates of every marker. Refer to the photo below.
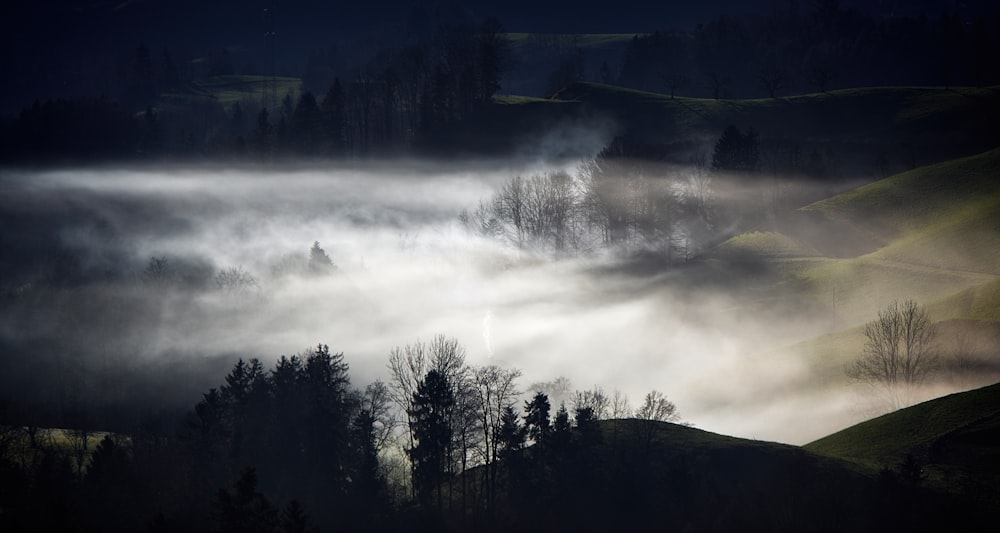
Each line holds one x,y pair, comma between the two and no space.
898,352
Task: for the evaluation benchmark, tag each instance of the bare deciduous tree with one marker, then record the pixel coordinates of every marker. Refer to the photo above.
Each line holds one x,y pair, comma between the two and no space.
375,404
772,79
620,406
237,282
497,389
675,81
656,407
595,399
898,351
409,365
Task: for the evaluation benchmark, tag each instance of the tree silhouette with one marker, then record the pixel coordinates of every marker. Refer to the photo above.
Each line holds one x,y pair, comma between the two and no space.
430,415
737,151
511,435
305,129
333,111
898,352
243,509
319,262
293,519
536,418
655,408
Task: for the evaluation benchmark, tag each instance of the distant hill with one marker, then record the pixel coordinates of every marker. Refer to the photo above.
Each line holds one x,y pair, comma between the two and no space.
925,234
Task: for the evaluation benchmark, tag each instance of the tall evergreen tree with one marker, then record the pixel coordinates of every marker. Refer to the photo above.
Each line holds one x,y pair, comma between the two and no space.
737,151
536,418
430,415
306,126
333,111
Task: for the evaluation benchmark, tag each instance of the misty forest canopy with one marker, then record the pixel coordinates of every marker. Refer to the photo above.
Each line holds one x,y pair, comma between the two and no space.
403,93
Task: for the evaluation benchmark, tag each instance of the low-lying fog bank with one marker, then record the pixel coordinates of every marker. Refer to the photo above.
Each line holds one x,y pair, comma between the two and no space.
127,286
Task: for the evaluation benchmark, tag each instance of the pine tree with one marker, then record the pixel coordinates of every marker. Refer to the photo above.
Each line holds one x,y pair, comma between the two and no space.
319,262
737,151
430,415
536,418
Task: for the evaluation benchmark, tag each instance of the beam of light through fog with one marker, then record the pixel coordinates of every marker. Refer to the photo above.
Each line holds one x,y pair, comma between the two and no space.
407,271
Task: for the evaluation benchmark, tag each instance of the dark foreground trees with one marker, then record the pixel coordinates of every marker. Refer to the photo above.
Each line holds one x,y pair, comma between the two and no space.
309,436
431,415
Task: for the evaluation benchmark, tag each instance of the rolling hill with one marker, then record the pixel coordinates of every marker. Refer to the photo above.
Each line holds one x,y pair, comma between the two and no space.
955,438
894,127
929,234
637,474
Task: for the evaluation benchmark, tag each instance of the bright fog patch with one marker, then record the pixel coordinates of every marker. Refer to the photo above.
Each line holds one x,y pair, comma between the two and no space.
180,265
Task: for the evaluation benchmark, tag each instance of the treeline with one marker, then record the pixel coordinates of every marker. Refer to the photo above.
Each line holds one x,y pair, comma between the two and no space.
297,448
441,446
84,319
815,48
398,101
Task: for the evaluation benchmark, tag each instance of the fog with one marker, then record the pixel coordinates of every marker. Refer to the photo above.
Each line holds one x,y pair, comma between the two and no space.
406,270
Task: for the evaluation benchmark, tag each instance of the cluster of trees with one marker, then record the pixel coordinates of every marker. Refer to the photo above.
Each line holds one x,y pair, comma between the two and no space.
468,445
611,202
622,199
399,99
298,432
814,49
90,359
296,447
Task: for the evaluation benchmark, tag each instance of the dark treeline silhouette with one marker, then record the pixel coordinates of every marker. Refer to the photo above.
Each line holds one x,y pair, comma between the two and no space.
100,369
807,47
72,130
295,447
405,97
269,450
400,100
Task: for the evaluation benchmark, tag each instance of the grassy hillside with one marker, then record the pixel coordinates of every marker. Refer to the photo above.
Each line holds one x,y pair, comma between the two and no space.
956,438
887,439
931,234
927,234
